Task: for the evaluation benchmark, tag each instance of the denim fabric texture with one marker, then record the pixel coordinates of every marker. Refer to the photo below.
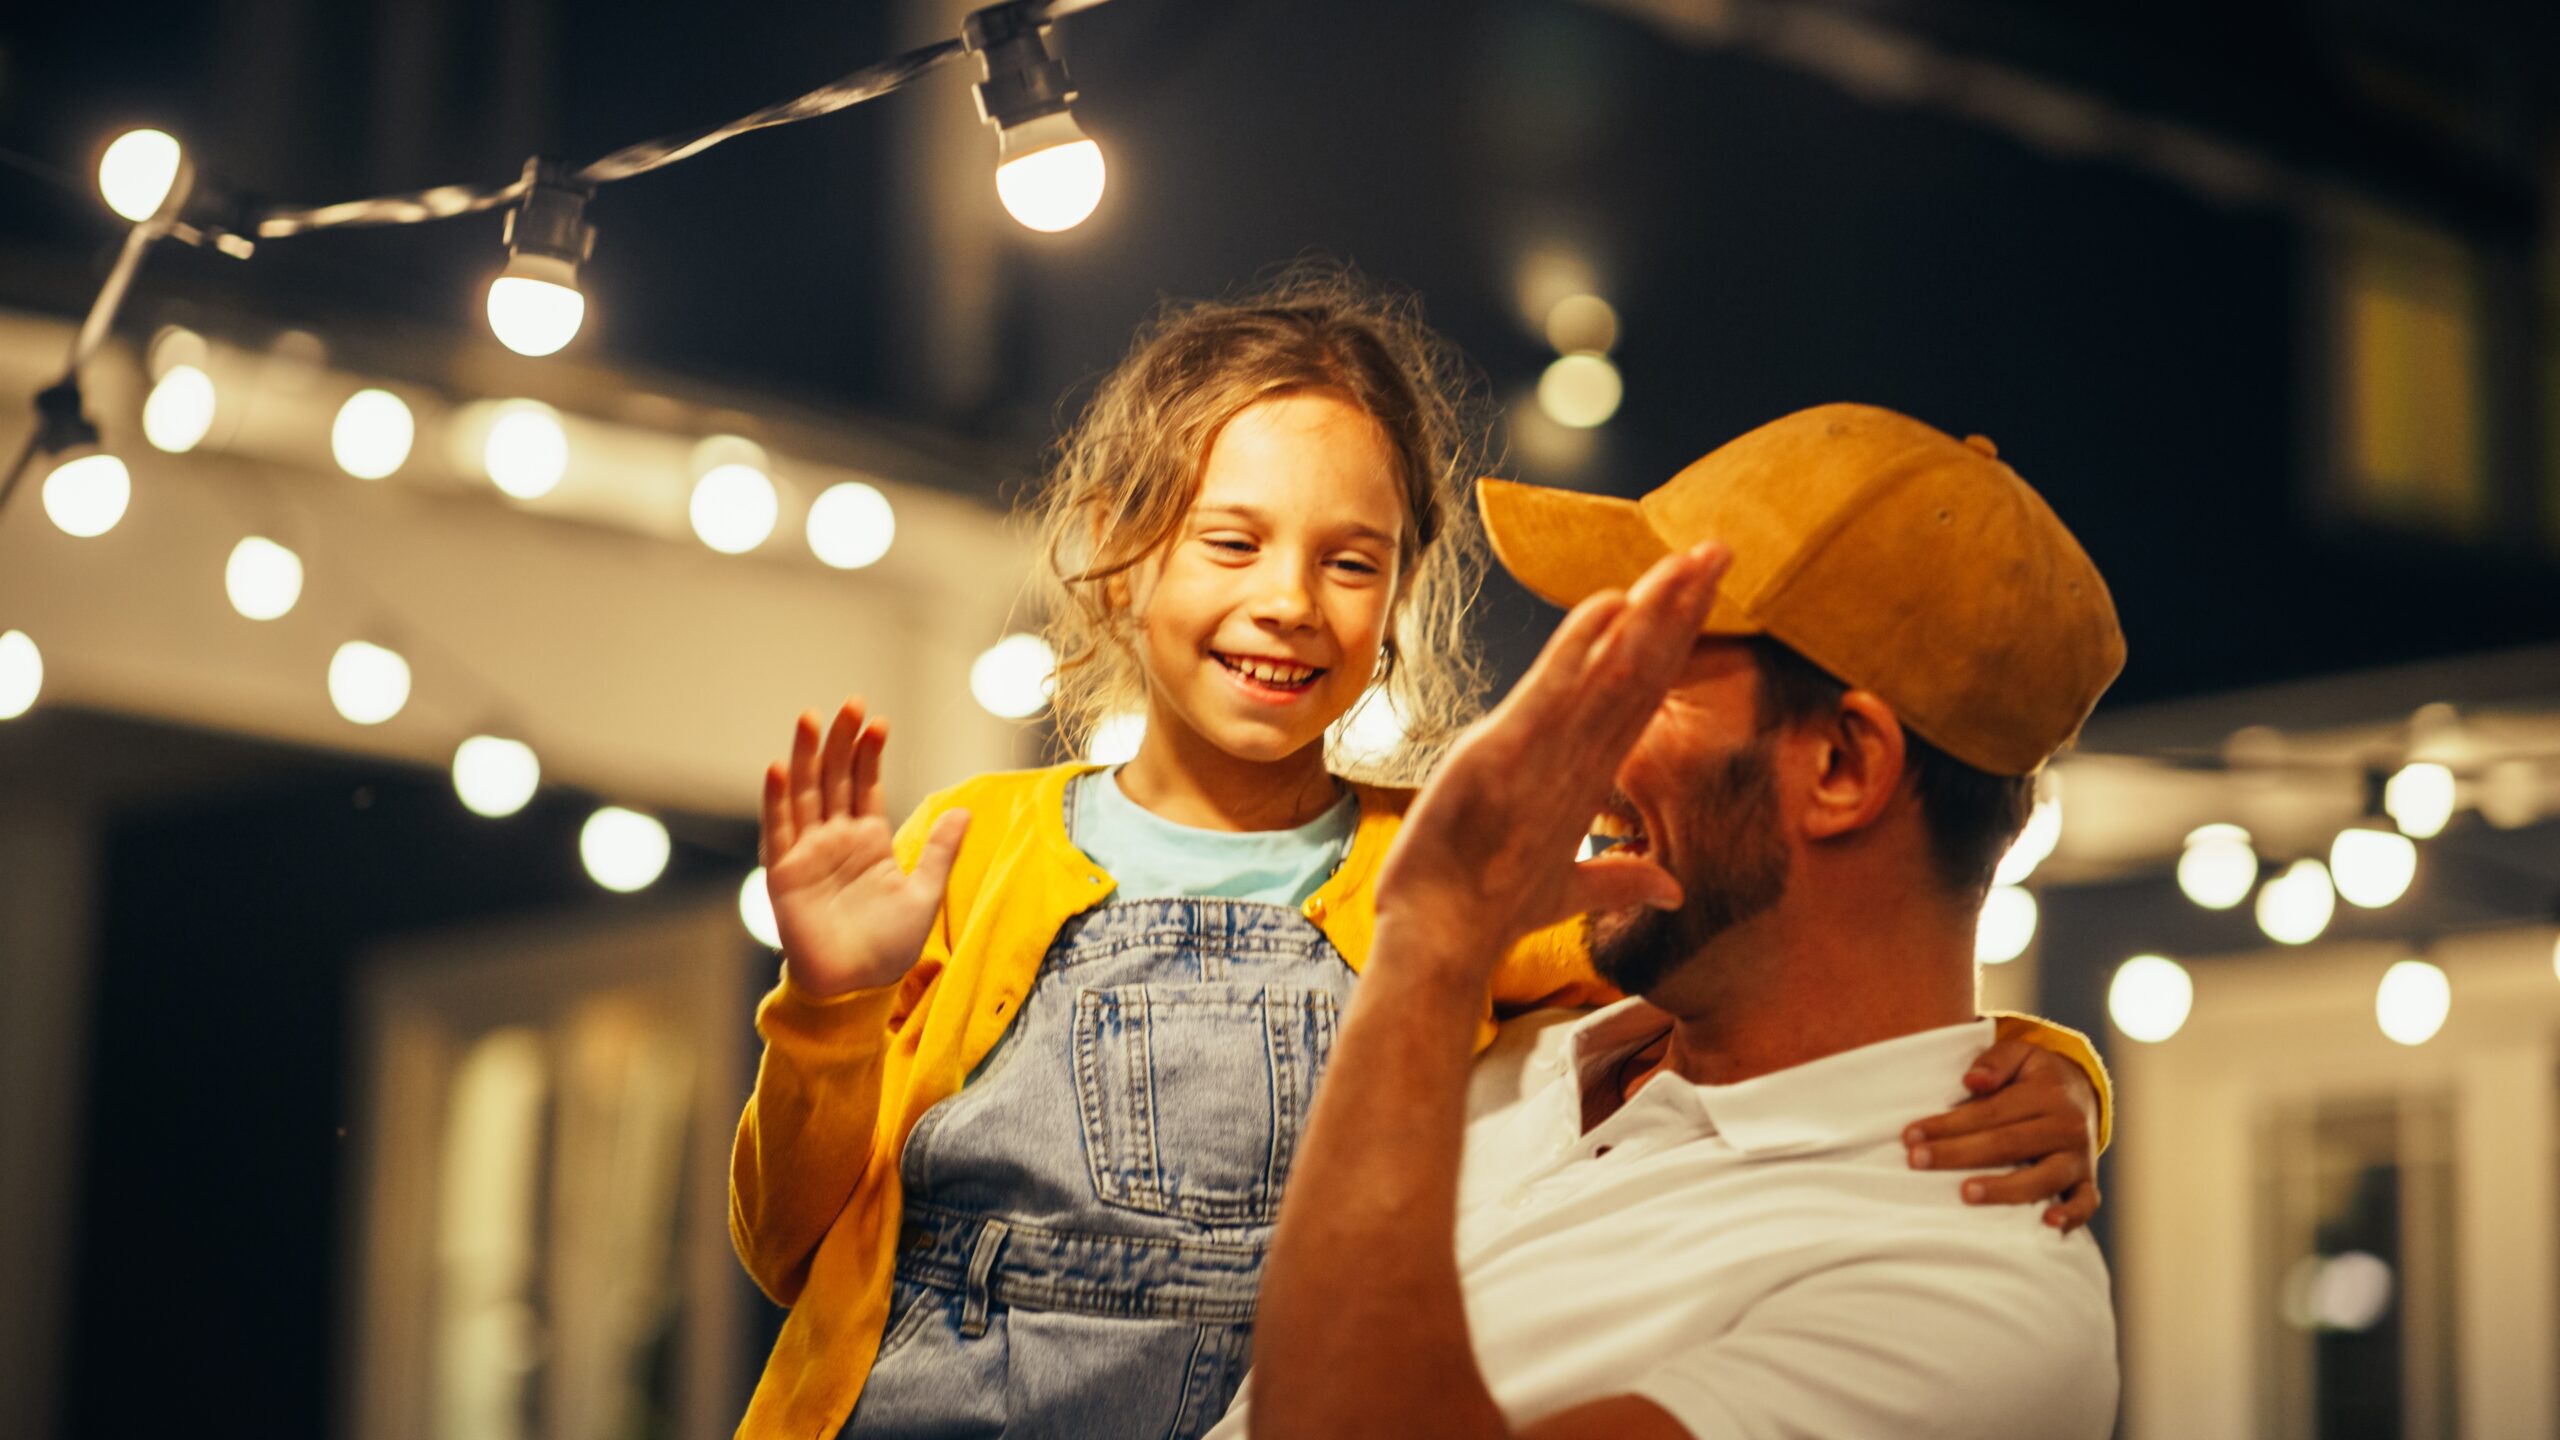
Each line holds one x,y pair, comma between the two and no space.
1086,1220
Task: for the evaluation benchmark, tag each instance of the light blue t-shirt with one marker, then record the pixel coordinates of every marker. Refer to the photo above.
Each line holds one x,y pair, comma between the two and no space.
1153,858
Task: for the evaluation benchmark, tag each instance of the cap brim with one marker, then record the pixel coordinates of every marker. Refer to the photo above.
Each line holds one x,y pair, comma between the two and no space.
1562,545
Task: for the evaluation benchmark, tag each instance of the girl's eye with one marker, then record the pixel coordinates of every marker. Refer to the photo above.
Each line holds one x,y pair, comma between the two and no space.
1229,544
1355,565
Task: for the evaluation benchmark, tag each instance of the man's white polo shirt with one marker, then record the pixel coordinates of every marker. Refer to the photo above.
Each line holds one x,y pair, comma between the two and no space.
1760,1260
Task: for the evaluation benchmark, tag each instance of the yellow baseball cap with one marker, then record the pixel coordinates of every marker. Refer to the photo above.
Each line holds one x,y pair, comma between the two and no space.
1898,558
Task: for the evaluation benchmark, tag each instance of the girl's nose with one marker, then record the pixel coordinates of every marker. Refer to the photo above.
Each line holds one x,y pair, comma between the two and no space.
1285,602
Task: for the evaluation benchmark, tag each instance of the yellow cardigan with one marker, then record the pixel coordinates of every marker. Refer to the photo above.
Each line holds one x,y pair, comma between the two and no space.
814,1202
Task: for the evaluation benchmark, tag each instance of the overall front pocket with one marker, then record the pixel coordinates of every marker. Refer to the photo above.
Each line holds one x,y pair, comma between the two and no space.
1194,1097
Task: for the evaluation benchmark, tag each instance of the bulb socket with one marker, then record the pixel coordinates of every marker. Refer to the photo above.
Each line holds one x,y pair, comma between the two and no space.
1022,80
549,225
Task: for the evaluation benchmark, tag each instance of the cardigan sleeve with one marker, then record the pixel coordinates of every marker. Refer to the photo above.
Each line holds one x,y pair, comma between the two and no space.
804,1141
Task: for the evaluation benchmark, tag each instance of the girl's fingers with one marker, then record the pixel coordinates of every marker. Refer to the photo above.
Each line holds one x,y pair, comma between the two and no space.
867,797
2078,1205
1985,1112
804,772
835,764
2034,1138
941,848
778,834
1997,1066
2041,1181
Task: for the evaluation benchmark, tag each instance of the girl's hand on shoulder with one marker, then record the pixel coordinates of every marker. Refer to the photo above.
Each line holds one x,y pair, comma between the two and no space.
2031,1109
850,916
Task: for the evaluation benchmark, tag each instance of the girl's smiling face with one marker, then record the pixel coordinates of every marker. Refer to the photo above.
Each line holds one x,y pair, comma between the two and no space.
1261,623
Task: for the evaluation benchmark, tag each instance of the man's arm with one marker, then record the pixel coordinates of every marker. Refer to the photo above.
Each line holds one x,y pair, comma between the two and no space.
1361,1328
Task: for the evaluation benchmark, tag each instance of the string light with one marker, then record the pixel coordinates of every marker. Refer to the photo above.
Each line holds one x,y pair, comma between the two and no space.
372,435
263,579
1581,390
2412,1002
21,674
2295,906
1010,679
1116,739
2006,927
527,452
495,776
851,525
755,910
2217,867
2036,838
137,171
623,850
1049,173
368,683
87,488
2419,799
2150,998
179,412
535,305
734,508
2372,866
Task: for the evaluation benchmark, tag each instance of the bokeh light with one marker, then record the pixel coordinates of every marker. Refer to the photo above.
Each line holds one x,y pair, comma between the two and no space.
263,579
755,910
2218,867
135,173
2036,838
2412,1001
2007,925
2295,906
2419,798
368,683
851,525
21,674
1010,678
179,411
2372,867
86,495
1116,739
1581,390
495,776
623,850
2150,998
372,435
527,452
734,508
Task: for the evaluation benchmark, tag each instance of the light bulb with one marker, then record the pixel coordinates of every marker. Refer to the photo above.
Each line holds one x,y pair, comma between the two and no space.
527,452
372,434
755,910
2412,1002
21,674
2218,867
1116,739
1581,390
2372,867
2036,838
263,578
135,174
87,493
1583,323
368,683
2006,927
734,508
179,411
2295,906
533,316
2419,799
851,525
1048,173
2150,998
1010,678
624,850
495,776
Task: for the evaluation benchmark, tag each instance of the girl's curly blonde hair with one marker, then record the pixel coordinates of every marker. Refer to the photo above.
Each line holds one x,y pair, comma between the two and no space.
1126,472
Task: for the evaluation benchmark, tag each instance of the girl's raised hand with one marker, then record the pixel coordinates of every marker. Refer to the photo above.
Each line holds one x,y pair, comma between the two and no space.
851,917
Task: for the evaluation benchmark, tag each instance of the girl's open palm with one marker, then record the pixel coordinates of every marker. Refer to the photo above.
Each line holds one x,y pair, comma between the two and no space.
849,914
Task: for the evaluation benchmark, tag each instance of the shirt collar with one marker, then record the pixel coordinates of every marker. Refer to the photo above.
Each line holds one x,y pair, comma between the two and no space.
1855,1096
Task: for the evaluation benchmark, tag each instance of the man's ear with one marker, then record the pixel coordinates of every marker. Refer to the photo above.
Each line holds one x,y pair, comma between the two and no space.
1859,760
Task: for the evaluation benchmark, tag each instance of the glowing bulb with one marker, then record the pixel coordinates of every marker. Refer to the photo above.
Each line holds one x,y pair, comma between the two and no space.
2218,866
21,674
624,850
86,495
1115,741
851,525
2008,923
1372,731
535,317
179,411
734,508
2295,906
2419,799
1581,390
755,909
2150,998
2373,867
527,452
372,435
1048,174
263,578
135,174
1583,323
367,683
2412,1002
1010,678
2036,838
495,777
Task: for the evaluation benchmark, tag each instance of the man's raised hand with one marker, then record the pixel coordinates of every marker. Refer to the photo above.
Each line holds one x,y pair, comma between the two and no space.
850,916
1487,853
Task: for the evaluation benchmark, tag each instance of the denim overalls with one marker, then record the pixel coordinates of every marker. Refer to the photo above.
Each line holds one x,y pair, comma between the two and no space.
1086,1220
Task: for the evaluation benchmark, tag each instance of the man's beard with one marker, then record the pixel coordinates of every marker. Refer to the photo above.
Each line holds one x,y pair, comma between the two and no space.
1736,804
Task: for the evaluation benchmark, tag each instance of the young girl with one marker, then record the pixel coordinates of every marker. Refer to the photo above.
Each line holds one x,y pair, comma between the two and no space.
1038,1064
